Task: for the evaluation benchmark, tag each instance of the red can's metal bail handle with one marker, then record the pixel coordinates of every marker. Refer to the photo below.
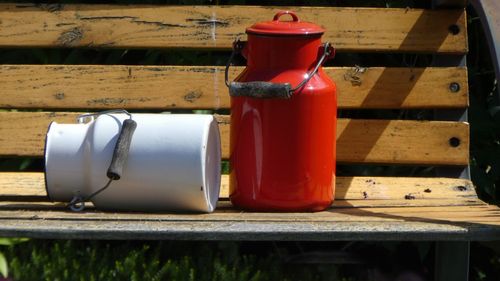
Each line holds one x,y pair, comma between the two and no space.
263,89
281,13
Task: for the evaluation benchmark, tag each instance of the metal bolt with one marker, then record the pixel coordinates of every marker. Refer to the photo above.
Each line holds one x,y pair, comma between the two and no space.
454,87
454,142
454,29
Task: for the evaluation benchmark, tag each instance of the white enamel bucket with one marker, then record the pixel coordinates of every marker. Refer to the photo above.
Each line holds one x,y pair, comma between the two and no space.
173,162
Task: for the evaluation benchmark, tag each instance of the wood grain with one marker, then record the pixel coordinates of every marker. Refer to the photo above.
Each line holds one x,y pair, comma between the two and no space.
32,184
402,141
349,29
202,87
245,231
385,223
358,141
225,212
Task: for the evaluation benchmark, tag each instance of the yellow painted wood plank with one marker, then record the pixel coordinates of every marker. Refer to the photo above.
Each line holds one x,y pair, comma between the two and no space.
114,26
479,214
347,188
203,87
358,141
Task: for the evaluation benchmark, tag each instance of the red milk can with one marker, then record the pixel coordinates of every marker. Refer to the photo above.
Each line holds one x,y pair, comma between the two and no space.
283,119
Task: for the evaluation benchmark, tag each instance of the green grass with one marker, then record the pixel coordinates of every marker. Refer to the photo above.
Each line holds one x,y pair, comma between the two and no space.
115,260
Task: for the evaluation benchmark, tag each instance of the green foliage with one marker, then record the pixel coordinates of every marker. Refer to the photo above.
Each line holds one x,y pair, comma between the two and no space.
4,269
485,127
101,260
12,241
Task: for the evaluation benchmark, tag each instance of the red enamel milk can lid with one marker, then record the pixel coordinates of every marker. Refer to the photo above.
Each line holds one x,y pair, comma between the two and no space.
278,27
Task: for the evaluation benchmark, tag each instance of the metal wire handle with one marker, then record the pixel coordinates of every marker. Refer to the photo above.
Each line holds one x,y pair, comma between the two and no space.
77,204
238,46
326,53
81,117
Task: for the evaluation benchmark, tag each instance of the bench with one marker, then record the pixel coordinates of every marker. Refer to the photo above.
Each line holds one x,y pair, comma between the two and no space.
390,203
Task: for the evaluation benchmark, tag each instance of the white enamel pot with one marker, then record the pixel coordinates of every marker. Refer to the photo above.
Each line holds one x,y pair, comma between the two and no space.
173,162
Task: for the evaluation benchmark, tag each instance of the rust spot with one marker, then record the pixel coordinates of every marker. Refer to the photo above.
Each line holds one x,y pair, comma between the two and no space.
107,101
105,18
409,196
157,23
428,190
131,19
365,195
192,96
64,24
70,37
53,7
354,74
202,69
209,22
129,72
221,119
59,96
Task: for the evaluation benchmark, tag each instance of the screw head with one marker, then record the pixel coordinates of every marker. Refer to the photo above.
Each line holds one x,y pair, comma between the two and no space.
454,29
454,87
454,142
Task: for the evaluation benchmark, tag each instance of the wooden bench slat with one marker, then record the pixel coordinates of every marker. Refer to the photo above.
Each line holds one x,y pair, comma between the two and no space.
417,223
24,184
202,87
359,141
349,29
225,212
35,204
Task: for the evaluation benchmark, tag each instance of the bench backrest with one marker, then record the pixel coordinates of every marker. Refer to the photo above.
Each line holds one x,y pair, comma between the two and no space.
42,93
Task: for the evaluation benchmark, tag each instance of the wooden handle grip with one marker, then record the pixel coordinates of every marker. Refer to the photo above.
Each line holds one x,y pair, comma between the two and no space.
258,89
120,153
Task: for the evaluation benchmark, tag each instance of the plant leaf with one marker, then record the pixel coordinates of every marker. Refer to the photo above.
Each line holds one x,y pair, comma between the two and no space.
12,241
4,270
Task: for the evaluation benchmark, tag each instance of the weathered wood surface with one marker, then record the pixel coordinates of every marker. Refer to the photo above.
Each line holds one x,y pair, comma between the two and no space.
348,219
349,29
202,87
416,223
358,141
481,214
39,204
19,185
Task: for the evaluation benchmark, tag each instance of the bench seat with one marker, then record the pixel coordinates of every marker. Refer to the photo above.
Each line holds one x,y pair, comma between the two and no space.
394,207
367,208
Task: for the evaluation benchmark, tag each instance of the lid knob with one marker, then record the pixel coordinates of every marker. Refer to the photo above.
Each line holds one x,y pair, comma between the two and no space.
281,13
281,27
